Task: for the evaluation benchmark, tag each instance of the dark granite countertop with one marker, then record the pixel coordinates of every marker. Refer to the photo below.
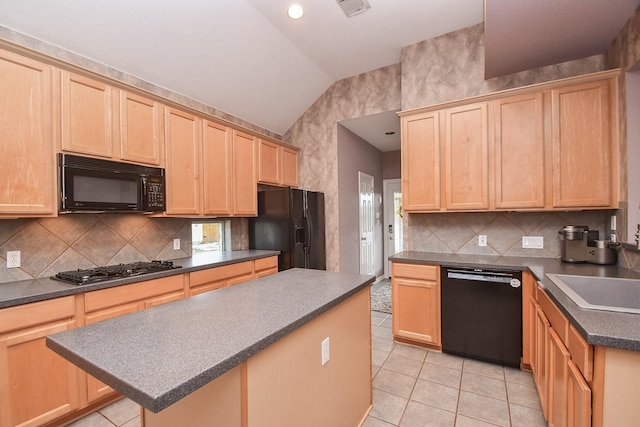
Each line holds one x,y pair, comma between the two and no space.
598,327
160,355
26,291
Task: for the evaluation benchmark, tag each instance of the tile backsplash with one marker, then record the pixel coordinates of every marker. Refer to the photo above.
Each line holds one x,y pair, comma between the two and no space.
50,245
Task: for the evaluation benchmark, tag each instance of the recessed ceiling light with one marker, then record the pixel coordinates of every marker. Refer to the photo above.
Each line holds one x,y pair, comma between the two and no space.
295,11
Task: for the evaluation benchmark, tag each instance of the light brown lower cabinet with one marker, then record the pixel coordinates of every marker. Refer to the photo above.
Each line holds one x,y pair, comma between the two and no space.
415,294
36,385
563,368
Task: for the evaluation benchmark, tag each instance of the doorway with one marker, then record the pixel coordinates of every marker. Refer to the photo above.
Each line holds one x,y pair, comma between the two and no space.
366,221
392,230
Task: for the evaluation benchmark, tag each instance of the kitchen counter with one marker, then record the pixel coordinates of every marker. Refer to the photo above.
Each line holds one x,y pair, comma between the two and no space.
27,291
158,356
598,327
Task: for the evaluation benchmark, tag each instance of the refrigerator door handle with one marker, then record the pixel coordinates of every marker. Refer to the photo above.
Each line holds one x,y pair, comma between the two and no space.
309,230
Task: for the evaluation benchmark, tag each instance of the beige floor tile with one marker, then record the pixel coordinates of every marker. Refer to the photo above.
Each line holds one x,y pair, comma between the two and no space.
525,416
387,407
443,359
420,415
514,375
383,332
387,322
484,408
484,368
379,343
374,422
402,364
440,374
136,422
374,371
523,395
486,386
410,351
462,421
92,420
121,411
394,382
378,357
437,395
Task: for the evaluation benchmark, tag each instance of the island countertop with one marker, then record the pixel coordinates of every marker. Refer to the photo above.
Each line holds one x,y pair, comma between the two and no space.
160,355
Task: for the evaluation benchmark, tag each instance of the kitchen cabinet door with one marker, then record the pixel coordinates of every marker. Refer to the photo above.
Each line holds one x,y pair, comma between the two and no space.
36,384
219,277
265,266
140,129
578,398
290,174
26,138
466,164
183,138
541,359
269,165
415,298
421,162
518,152
217,176
87,119
558,379
528,320
582,136
245,179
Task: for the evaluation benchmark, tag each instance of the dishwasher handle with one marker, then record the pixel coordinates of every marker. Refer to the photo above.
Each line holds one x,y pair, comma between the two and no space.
485,276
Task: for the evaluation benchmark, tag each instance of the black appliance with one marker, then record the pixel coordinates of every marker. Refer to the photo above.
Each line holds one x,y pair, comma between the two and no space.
291,221
102,274
481,312
88,184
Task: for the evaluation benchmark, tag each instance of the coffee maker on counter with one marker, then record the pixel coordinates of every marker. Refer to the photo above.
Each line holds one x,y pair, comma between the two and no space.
579,244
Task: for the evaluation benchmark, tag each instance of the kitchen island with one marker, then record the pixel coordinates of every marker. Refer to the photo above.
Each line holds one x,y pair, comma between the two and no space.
253,352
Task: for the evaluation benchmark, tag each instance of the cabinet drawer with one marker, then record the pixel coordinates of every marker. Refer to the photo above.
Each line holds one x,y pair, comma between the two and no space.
36,313
128,293
266,263
220,273
415,271
581,353
556,318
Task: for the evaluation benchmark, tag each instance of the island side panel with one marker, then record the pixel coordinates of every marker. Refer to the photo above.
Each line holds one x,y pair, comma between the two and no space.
218,403
287,384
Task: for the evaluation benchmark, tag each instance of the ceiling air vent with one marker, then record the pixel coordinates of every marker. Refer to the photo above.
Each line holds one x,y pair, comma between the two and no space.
353,7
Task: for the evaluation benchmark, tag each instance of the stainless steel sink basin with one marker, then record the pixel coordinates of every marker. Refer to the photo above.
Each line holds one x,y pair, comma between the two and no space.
600,293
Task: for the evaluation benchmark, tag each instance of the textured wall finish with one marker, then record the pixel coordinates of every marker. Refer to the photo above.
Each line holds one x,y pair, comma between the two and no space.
316,133
451,67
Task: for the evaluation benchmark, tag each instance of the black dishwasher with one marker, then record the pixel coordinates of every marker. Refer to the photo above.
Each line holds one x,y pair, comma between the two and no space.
482,314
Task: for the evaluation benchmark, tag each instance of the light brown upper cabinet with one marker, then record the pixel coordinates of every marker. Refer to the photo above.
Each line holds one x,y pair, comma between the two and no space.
140,130
244,172
519,151
217,158
466,153
542,147
277,164
26,138
87,115
421,162
183,138
582,145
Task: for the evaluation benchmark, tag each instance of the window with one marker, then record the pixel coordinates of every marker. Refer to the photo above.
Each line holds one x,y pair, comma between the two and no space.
207,236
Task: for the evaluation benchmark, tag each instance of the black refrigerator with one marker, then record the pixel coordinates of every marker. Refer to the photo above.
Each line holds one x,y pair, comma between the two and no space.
291,221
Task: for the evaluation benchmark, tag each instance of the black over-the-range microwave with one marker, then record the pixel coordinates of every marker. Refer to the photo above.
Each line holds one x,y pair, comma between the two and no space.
88,184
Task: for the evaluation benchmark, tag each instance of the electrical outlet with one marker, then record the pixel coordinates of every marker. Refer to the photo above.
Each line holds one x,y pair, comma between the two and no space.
176,244
325,351
533,242
13,259
482,240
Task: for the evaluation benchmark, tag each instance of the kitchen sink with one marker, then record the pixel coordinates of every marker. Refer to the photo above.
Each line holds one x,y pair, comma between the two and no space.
600,293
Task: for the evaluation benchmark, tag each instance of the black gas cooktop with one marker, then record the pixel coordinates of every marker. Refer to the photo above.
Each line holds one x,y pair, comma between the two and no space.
101,274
